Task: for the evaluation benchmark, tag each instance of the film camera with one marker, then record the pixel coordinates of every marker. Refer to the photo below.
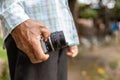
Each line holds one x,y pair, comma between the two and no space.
55,42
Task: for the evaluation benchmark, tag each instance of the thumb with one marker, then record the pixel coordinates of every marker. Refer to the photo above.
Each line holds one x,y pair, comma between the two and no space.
44,57
39,61
37,49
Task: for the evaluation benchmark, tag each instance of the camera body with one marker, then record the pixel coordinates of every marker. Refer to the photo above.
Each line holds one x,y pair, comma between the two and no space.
55,42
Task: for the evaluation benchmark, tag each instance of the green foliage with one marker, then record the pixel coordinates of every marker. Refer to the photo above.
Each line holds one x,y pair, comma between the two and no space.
81,5
116,11
114,64
5,74
88,13
2,51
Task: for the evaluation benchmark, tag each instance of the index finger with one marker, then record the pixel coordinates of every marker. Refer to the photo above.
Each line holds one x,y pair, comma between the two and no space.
46,33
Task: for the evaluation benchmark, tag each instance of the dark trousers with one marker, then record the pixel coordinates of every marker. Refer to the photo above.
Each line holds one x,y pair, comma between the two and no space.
55,68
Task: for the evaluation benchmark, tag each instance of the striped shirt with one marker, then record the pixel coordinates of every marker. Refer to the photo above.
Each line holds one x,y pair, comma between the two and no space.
55,14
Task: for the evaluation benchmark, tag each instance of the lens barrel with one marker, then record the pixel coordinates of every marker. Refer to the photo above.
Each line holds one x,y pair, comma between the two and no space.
56,41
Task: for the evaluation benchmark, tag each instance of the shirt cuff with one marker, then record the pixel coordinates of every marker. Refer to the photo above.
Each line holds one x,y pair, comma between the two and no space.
14,16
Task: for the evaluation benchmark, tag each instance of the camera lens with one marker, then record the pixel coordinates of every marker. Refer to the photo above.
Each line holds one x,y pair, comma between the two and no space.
62,39
56,41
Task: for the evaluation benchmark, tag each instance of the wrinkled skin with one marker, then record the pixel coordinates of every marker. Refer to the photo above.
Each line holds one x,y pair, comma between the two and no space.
27,38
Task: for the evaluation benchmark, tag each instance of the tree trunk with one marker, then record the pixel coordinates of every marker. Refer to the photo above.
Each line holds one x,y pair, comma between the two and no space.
103,15
75,11
73,8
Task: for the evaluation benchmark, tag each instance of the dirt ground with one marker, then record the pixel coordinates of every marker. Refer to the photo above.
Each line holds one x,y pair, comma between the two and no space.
101,63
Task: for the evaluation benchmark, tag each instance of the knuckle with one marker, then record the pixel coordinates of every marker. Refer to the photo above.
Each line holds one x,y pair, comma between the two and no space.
42,26
49,32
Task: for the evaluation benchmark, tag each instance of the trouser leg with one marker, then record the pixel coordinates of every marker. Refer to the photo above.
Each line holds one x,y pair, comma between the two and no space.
12,55
62,65
22,69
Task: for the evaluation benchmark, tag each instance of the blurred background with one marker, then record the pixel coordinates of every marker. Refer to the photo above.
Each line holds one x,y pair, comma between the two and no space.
98,25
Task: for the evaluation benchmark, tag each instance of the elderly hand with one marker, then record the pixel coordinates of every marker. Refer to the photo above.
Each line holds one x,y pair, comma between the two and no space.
72,51
27,38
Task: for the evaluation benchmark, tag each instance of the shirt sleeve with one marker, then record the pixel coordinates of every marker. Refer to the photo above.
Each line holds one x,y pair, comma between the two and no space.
12,13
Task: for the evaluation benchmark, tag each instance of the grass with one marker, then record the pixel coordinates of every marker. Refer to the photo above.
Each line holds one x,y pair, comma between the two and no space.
2,51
